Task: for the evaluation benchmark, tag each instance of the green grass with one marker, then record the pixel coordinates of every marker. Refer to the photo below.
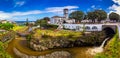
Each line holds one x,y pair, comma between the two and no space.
57,33
3,53
19,28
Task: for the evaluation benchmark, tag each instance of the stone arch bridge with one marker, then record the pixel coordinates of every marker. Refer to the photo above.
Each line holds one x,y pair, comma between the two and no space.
108,27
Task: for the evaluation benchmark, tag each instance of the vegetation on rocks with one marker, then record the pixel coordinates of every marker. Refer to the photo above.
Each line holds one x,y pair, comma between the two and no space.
90,40
6,36
46,39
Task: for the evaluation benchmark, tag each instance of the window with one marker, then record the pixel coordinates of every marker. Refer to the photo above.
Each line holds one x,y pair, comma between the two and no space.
87,28
94,28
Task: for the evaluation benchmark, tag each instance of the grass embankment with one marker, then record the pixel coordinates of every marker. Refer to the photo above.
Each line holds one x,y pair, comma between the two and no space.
112,49
56,34
21,29
3,53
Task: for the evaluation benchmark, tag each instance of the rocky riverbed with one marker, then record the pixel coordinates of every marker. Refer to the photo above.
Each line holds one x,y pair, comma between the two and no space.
56,54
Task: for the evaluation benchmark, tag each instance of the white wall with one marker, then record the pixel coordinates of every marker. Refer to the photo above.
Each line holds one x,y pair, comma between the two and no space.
56,21
80,26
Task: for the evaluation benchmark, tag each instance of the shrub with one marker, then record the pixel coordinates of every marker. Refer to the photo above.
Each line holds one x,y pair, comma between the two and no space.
6,26
29,37
49,26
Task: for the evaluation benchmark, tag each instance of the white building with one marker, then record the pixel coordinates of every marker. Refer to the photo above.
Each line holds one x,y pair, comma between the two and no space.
56,20
60,20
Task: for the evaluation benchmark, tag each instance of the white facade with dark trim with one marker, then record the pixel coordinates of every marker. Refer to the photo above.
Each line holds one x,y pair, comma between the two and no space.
86,27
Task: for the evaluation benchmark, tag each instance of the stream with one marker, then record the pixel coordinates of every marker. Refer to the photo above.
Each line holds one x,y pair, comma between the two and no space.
77,52
95,50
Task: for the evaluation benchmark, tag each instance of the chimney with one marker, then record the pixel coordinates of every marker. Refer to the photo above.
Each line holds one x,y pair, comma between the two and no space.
66,13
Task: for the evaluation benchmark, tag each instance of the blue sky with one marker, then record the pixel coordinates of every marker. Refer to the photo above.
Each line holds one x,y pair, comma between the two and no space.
19,10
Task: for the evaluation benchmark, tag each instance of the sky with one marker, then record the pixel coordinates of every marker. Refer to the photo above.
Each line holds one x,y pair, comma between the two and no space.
20,10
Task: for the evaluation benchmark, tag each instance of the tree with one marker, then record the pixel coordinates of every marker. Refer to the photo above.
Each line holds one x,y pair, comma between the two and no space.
46,18
114,16
91,16
41,22
44,23
85,17
77,15
101,15
97,14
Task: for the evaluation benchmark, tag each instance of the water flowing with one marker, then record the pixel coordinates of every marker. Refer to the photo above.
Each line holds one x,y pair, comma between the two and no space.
99,49
103,43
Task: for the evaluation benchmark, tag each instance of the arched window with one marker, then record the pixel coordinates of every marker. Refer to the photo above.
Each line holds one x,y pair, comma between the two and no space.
94,28
87,28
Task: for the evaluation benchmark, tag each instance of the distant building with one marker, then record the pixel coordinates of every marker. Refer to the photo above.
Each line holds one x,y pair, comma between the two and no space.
60,20
56,20
6,21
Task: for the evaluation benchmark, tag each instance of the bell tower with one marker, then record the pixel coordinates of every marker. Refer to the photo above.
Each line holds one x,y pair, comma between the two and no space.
66,13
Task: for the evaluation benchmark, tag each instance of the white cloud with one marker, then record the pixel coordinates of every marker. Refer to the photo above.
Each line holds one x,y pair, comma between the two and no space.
5,15
55,10
59,10
72,11
115,7
96,7
93,6
26,13
116,1
19,3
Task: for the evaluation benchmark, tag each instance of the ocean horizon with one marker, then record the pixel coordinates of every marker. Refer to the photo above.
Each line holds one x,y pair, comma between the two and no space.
22,22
